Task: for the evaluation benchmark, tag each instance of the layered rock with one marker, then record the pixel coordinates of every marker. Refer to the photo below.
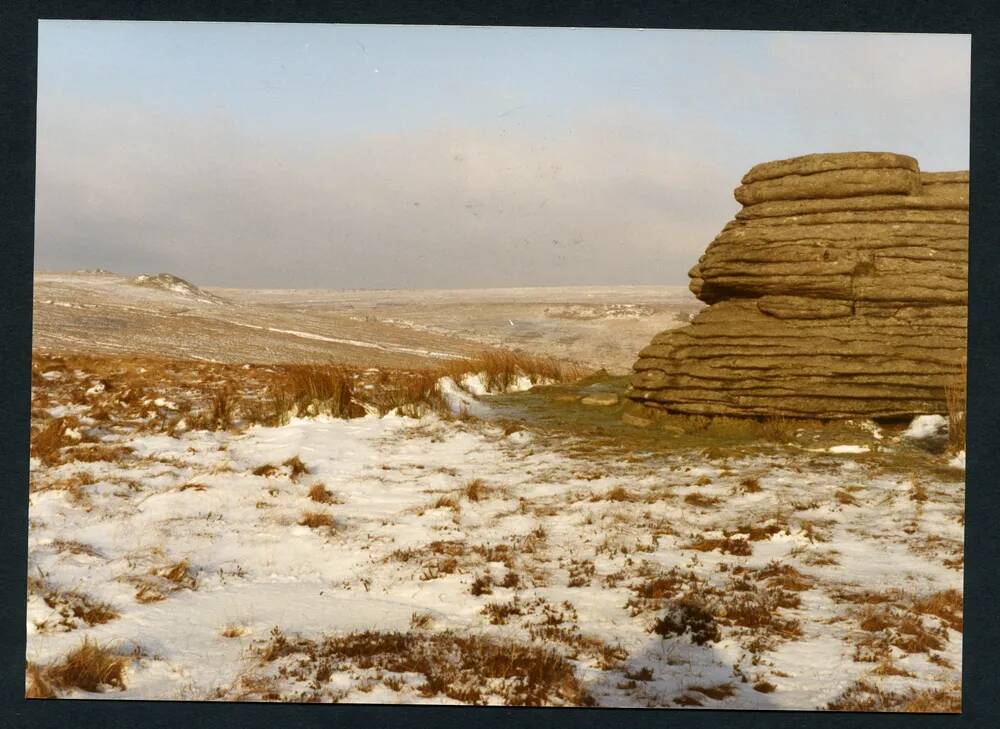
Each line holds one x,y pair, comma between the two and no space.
839,290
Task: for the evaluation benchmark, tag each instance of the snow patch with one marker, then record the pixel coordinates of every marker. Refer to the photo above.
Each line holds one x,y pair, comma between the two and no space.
848,449
926,426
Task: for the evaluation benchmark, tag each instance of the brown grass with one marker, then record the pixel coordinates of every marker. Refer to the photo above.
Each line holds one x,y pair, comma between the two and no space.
716,693
321,495
475,490
700,500
946,605
70,607
410,394
726,545
777,430
38,687
179,573
689,616
89,667
221,411
500,612
320,390
296,466
469,669
421,621
316,520
955,401
502,367
447,502
92,453
46,443
866,696
482,585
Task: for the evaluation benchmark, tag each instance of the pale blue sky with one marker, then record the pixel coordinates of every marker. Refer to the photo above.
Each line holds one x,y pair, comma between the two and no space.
394,156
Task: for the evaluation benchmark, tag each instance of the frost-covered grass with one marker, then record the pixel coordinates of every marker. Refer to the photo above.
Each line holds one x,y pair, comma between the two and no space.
482,559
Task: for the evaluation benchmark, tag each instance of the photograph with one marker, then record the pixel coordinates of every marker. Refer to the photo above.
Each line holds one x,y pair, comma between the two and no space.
498,365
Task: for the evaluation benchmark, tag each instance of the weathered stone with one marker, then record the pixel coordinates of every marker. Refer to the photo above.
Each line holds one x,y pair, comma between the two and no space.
636,421
812,163
602,398
835,183
840,290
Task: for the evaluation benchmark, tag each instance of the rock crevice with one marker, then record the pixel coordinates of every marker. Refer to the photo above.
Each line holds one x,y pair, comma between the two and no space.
839,290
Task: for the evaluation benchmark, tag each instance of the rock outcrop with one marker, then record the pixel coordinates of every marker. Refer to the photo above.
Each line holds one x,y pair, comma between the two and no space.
839,290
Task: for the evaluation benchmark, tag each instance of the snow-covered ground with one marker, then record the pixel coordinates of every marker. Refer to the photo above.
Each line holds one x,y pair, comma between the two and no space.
814,568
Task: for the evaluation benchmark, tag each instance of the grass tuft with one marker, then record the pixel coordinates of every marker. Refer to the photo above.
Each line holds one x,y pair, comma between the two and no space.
89,667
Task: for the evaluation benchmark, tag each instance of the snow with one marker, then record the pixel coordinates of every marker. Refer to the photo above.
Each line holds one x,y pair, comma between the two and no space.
257,567
848,449
350,342
958,461
926,426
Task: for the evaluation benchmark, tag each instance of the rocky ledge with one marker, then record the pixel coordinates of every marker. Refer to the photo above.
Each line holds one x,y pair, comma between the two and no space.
839,290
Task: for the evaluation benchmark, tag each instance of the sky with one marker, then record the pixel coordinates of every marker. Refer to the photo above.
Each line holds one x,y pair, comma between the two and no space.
352,156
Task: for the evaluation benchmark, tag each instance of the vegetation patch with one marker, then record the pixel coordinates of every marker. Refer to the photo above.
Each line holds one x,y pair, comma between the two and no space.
468,668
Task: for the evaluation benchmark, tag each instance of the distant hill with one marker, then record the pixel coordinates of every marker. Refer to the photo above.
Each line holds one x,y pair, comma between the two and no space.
170,282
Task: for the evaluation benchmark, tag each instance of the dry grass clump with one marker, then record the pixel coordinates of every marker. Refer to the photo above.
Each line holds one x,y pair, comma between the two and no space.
475,490
75,547
500,612
751,603
164,580
581,572
764,687
946,605
89,667
894,620
469,669
221,411
316,520
48,440
501,369
74,486
888,626
37,686
955,400
482,585
716,693
421,620
267,470
653,592
94,452
700,500
233,630
321,495
70,608
272,409
689,616
866,696
303,390
618,493
410,394
738,547
296,467
317,390
776,430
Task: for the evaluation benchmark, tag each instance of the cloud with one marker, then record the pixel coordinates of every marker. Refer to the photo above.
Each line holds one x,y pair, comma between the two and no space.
611,194
613,201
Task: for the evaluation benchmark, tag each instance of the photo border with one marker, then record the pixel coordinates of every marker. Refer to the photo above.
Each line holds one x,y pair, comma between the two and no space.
18,66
